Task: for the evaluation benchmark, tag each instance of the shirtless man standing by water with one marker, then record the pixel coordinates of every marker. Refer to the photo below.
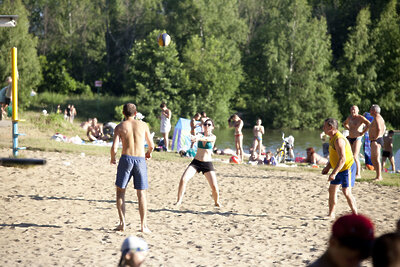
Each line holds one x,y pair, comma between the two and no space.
376,131
132,134
235,121
357,125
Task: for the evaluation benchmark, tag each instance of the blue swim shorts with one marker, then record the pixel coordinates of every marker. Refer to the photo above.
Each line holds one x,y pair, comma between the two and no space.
346,177
129,166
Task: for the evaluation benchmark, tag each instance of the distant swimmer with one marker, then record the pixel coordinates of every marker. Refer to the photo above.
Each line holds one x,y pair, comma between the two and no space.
132,133
202,162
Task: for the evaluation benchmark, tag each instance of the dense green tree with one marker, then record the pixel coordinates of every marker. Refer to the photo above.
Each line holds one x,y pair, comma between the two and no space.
72,30
156,76
126,23
291,75
27,60
357,67
215,73
386,38
205,18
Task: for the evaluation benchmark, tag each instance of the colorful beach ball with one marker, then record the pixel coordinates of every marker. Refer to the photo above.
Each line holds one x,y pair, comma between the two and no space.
163,39
234,159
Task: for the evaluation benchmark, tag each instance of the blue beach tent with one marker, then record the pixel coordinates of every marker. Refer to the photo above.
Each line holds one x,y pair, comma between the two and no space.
181,138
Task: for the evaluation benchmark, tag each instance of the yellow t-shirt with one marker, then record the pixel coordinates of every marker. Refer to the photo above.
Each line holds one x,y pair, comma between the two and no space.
334,156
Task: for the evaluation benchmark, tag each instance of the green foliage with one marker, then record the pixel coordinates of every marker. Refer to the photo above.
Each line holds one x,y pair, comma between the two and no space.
357,67
28,64
386,38
118,113
57,79
215,74
291,75
156,76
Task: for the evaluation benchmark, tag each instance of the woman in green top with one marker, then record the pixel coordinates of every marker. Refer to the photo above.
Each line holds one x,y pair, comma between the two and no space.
202,162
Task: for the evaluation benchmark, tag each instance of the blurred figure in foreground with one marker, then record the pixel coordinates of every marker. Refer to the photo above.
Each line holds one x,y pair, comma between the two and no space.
350,242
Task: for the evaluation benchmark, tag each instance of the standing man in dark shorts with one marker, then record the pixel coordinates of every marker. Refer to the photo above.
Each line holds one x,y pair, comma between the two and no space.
132,134
376,131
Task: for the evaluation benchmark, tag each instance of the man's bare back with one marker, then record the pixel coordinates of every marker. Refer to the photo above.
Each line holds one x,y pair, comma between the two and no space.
132,134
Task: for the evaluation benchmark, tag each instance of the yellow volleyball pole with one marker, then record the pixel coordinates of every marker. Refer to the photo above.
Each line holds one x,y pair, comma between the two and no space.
14,76
15,119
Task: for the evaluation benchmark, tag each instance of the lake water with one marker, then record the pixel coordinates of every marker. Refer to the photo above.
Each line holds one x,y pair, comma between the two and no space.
272,139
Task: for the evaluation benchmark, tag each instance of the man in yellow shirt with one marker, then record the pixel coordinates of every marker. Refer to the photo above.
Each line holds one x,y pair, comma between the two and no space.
343,164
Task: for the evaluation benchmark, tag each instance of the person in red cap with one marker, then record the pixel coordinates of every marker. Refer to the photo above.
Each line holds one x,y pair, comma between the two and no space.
350,242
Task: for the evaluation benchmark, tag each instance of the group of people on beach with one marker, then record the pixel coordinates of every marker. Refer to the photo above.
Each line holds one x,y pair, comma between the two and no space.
343,153
345,244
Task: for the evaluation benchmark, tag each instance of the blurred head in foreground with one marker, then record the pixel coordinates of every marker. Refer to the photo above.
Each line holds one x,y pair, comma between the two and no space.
350,242
134,251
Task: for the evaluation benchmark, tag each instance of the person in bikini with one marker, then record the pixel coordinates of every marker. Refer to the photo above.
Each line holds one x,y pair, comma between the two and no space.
132,134
258,131
376,131
202,162
357,125
237,123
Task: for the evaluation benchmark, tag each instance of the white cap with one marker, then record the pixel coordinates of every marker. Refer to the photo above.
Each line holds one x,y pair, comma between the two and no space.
134,243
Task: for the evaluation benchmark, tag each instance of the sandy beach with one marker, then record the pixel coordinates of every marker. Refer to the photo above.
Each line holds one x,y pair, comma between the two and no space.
63,213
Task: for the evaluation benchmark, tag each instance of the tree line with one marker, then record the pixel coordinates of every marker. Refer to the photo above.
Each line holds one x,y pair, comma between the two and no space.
290,62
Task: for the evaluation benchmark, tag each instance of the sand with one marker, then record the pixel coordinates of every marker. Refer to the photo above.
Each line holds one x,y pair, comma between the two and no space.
63,213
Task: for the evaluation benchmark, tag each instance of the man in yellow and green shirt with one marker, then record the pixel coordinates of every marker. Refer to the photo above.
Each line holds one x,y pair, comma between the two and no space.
344,167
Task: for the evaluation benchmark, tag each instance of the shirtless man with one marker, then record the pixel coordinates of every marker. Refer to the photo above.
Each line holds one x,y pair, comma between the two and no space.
388,150
235,121
357,125
376,130
132,134
258,131
203,120
193,124
95,131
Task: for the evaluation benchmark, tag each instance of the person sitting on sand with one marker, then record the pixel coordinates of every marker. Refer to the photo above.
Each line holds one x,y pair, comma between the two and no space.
314,158
255,158
202,162
95,131
386,250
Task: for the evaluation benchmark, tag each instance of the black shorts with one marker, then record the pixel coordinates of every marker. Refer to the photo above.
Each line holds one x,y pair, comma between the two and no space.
386,154
202,166
8,101
378,140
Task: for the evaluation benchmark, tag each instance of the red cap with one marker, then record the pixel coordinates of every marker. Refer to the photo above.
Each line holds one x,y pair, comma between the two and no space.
352,225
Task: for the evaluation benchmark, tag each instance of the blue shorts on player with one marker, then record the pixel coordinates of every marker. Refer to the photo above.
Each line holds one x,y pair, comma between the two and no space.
129,166
346,177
